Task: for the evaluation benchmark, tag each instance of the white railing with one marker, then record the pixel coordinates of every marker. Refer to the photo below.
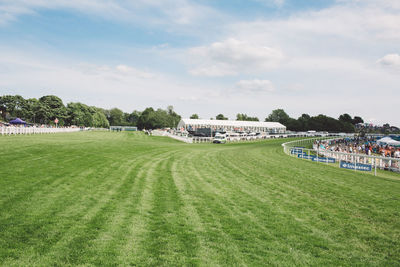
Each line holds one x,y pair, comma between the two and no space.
33,130
176,137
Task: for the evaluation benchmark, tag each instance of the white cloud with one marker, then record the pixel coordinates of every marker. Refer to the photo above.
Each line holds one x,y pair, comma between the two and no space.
167,13
126,70
232,56
255,86
101,85
116,72
390,60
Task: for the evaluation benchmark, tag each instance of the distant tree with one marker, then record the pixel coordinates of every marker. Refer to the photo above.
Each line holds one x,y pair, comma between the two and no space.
146,119
99,119
173,117
80,114
244,117
51,107
116,117
133,118
220,117
293,125
11,105
194,117
278,115
30,109
304,121
357,120
346,118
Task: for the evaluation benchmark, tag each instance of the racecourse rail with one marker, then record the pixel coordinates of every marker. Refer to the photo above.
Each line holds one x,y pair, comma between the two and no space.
34,130
298,148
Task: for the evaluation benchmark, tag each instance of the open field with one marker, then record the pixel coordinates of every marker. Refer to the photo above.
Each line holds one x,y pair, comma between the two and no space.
101,198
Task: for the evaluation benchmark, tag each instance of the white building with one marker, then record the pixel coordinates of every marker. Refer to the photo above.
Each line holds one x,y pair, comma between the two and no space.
227,125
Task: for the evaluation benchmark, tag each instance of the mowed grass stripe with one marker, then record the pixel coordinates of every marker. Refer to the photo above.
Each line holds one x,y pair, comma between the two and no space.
130,199
69,206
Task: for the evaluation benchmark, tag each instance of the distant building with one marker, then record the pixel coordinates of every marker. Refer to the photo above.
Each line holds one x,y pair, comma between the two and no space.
235,126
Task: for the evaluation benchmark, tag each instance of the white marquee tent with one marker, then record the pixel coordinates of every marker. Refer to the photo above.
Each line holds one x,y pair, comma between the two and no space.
228,125
388,141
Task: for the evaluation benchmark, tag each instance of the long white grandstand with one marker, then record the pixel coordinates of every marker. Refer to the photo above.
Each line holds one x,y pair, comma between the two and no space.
228,125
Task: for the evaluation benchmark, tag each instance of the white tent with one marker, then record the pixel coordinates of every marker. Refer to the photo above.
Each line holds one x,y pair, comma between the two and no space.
228,125
388,141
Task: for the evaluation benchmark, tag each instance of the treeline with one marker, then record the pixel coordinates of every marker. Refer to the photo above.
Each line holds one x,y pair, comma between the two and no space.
47,108
345,123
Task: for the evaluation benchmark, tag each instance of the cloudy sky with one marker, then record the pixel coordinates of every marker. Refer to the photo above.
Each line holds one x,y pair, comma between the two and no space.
207,56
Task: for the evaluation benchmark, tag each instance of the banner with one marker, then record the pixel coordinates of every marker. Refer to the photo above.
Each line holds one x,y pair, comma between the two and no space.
297,150
326,160
358,167
305,156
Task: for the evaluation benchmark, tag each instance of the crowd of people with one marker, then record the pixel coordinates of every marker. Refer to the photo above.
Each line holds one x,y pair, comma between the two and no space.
361,145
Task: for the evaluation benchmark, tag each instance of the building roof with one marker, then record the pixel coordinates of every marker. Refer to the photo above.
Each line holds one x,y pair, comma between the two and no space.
232,123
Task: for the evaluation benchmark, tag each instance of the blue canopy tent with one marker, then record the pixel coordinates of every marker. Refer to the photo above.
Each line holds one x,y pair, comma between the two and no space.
17,121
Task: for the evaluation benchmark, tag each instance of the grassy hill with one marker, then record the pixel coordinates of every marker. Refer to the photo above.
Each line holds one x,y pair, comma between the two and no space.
100,198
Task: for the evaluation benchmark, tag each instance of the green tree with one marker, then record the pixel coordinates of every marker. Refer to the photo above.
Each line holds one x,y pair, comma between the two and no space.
50,108
244,117
116,117
304,121
147,119
346,118
173,118
220,117
100,120
194,117
80,114
357,120
153,119
11,105
133,118
30,109
278,115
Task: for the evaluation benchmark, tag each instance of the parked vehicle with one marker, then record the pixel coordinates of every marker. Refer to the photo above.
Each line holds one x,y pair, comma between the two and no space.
219,139
232,136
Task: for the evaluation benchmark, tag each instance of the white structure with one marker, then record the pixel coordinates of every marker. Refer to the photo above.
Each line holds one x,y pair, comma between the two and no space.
123,128
237,126
33,130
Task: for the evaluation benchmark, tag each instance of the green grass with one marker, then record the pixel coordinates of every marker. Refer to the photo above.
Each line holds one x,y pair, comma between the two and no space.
111,199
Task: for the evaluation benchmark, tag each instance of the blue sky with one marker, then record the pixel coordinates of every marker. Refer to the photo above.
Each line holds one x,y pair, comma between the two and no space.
207,56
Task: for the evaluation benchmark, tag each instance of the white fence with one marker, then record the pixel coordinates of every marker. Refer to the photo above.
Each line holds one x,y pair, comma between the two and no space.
177,137
353,161
34,130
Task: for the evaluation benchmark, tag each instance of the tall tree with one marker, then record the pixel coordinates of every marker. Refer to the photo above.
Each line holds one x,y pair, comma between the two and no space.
30,109
278,115
50,108
133,118
346,118
194,117
99,119
11,105
173,117
220,117
244,117
357,120
116,117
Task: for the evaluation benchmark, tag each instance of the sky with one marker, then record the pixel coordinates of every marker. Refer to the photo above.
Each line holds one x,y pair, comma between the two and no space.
207,56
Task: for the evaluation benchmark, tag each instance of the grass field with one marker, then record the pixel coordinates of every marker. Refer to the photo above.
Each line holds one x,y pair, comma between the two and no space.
100,198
